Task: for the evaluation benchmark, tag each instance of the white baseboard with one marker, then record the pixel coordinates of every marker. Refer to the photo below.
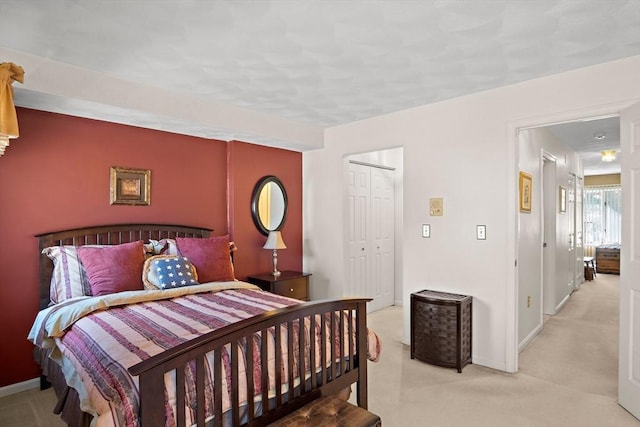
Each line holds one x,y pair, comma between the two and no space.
525,342
488,363
19,387
562,303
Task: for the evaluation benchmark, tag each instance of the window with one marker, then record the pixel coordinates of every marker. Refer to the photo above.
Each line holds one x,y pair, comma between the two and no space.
602,215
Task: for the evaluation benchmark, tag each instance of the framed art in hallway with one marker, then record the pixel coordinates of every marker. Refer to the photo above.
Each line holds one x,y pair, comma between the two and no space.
526,186
130,186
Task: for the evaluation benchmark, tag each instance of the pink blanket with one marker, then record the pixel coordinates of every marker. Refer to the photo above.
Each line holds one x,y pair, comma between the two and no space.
99,348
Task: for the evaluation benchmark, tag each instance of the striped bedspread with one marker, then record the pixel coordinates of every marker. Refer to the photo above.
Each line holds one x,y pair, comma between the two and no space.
96,339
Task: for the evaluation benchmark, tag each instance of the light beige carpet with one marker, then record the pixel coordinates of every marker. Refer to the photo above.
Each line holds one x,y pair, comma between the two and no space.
32,408
567,377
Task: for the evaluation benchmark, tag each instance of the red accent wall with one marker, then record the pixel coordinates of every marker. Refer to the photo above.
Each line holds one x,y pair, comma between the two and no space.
247,164
56,176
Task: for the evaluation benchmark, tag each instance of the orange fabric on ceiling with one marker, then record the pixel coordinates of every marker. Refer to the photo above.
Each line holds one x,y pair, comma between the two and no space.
9,72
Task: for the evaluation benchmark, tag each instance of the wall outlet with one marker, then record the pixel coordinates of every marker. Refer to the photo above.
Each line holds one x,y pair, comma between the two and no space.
426,230
481,232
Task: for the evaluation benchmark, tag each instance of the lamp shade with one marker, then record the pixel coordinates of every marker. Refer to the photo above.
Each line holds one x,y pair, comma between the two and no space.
274,241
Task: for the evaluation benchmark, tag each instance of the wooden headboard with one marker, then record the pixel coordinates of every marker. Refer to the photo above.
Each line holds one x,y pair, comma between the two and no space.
104,235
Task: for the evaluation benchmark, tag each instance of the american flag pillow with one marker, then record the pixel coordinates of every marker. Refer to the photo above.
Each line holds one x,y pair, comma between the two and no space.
169,271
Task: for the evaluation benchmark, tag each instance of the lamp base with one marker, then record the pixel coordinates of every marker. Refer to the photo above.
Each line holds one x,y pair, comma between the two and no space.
275,272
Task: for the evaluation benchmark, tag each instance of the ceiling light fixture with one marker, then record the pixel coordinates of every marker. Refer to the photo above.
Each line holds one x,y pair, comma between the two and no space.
599,135
608,155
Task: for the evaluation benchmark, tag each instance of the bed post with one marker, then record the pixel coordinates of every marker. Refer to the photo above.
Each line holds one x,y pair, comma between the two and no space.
151,408
362,334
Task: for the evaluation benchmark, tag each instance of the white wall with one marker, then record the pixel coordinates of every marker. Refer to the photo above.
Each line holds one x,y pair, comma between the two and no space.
529,242
532,144
464,151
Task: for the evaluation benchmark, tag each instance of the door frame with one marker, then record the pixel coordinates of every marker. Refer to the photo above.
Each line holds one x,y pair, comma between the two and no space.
512,152
549,166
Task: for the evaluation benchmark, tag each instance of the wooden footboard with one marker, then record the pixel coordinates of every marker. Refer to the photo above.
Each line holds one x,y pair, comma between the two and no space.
330,376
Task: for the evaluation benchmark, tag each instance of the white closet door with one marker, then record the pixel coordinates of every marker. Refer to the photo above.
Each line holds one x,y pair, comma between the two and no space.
382,219
358,229
370,235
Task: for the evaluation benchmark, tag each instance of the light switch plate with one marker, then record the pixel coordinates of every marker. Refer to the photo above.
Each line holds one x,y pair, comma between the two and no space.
436,206
481,232
426,230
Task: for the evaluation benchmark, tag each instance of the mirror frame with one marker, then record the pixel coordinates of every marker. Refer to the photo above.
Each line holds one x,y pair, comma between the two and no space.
254,203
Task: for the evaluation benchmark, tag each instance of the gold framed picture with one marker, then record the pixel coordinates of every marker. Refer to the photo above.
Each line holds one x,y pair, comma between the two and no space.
563,199
526,192
130,186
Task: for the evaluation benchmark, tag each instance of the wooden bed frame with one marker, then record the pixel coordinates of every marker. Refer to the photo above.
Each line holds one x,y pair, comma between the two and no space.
333,376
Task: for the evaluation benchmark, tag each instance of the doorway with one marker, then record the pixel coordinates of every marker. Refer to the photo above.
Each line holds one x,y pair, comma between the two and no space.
630,126
550,234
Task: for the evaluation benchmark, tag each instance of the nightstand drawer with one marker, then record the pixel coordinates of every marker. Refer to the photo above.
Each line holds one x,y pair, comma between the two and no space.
292,284
292,288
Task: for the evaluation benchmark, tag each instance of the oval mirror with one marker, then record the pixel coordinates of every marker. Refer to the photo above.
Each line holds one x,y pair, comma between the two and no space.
269,204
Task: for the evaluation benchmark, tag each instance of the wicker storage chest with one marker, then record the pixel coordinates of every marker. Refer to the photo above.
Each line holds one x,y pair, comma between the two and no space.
608,259
441,328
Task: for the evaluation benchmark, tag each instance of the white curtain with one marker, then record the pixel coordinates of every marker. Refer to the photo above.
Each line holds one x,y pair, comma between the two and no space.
602,217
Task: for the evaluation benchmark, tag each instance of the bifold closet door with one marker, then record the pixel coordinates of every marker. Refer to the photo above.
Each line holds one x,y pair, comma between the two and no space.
370,236
358,229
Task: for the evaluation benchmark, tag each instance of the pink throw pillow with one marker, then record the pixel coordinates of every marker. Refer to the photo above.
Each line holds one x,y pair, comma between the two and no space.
210,256
114,268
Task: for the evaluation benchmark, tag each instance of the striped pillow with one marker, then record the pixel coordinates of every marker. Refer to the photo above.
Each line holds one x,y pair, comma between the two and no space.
69,278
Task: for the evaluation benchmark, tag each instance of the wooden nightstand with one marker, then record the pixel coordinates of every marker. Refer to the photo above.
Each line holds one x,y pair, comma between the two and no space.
292,284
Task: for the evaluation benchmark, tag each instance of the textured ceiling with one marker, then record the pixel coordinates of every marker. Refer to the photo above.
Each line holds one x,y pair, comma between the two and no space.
581,136
316,62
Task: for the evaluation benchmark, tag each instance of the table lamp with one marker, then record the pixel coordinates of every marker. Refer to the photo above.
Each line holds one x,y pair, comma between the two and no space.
275,242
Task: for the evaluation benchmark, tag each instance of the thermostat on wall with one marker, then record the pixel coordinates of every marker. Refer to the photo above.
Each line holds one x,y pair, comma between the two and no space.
436,206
